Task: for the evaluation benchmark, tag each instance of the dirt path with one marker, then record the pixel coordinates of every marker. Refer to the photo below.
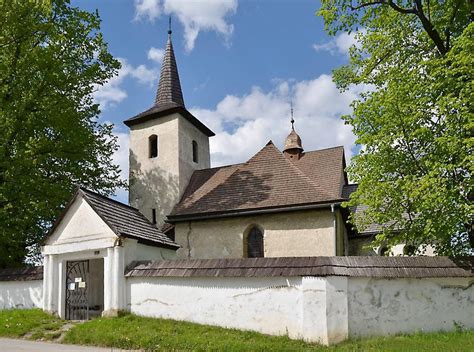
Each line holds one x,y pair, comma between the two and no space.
12,345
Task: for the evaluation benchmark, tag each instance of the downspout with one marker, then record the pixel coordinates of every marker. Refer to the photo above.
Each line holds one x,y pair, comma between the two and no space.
334,226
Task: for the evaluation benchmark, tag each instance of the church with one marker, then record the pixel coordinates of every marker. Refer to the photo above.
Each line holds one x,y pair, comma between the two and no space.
264,245
276,204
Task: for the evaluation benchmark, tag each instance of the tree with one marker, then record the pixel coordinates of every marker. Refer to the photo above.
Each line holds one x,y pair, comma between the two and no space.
415,120
52,57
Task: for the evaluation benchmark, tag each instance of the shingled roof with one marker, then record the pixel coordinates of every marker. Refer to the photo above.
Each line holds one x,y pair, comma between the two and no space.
123,220
169,88
384,267
21,274
169,96
267,181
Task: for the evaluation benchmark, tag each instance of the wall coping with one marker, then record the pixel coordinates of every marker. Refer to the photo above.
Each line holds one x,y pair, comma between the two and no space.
380,267
22,274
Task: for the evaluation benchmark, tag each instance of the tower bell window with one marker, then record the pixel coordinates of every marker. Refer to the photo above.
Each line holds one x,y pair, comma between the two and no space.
153,146
195,151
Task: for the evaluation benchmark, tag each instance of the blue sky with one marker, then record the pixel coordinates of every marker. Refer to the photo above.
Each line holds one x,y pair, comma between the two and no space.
240,64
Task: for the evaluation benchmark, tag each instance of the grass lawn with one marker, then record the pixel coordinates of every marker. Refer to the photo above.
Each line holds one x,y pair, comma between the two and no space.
133,332
32,323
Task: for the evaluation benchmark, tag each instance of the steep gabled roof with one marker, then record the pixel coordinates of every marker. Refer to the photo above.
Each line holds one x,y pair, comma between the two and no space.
169,96
325,166
169,88
267,180
123,220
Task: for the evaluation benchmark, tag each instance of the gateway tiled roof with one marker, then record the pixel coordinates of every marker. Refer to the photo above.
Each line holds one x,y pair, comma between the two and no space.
267,180
126,221
384,267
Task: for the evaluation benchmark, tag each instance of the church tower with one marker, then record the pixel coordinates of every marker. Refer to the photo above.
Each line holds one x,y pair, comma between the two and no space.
167,143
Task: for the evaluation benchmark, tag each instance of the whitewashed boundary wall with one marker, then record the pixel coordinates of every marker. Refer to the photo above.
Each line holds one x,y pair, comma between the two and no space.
21,288
320,299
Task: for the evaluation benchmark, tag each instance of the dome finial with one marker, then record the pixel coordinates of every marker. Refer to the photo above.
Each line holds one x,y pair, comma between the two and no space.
293,147
169,25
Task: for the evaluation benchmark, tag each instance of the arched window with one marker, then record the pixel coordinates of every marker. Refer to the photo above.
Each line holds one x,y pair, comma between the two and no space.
383,251
255,243
195,151
153,146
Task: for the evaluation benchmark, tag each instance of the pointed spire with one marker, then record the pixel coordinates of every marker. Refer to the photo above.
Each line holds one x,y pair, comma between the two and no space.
169,88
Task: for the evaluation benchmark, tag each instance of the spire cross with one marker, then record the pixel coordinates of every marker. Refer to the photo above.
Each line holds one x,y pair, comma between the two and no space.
292,119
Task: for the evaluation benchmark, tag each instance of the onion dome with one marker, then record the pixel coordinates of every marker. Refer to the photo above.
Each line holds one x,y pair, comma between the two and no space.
293,141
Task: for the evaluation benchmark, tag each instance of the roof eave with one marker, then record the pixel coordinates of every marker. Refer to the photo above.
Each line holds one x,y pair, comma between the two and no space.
152,243
179,109
244,212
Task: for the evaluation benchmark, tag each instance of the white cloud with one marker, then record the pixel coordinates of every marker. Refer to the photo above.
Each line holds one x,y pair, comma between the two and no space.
243,124
340,44
112,92
156,54
195,16
147,8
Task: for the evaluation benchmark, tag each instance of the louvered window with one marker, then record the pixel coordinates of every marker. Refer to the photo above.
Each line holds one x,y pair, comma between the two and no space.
255,243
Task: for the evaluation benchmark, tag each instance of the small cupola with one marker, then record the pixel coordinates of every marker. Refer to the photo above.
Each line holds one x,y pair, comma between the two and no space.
293,147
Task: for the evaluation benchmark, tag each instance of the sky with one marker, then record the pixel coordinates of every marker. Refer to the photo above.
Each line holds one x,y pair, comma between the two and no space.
241,64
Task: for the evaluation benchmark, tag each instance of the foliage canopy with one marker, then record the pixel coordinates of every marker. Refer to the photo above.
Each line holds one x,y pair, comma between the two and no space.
52,57
415,120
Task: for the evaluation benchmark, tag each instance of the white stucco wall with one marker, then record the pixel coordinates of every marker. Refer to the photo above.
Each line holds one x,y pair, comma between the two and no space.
187,134
390,306
154,182
21,294
138,251
290,234
81,229
319,309
158,183
267,305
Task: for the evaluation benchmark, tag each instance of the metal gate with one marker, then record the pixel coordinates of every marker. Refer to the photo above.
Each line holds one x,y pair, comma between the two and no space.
77,282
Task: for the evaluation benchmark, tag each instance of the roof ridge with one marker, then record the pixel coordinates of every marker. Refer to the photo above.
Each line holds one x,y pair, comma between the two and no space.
306,177
323,149
196,192
99,213
107,198
219,167
293,166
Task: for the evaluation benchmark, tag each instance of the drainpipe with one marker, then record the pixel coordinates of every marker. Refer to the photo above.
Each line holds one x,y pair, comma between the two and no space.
334,224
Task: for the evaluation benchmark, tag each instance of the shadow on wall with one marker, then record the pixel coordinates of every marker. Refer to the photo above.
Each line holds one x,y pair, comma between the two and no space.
21,294
152,189
242,188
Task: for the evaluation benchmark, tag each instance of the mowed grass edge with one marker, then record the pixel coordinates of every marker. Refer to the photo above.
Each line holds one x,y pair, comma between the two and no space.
129,331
